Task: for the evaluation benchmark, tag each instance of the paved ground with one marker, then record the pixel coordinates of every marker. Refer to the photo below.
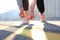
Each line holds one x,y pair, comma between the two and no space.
13,30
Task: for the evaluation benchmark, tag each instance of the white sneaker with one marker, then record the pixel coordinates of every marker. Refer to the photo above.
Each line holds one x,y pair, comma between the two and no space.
25,21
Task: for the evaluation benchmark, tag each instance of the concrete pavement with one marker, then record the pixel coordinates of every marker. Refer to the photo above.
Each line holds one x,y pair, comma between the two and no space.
9,29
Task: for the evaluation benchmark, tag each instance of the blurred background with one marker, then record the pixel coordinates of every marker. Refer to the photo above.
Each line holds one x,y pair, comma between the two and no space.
11,27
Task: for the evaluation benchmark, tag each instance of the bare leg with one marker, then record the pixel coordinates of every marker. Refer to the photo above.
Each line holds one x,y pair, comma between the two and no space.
31,8
25,17
23,7
25,12
40,6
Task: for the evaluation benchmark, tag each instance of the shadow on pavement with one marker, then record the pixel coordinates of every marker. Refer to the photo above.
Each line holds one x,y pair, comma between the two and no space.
21,25
29,27
48,27
4,34
22,37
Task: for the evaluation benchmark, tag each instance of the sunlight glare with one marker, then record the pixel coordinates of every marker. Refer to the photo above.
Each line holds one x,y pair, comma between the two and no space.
38,35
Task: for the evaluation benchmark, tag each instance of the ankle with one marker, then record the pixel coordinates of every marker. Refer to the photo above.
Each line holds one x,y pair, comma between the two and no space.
26,13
